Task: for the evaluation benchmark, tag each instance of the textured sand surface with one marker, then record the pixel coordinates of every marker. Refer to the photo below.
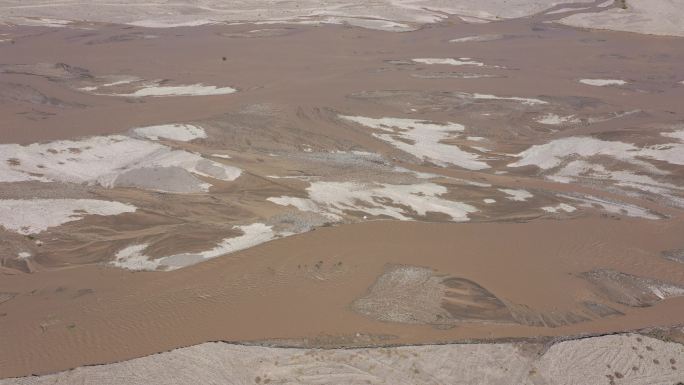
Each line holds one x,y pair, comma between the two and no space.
386,14
659,17
629,359
662,17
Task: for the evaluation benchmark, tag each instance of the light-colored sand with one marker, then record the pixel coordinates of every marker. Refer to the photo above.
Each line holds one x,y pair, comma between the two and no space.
661,17
632,290
451,75
384,15
32,216
449,61
178,132
589,160
333,199
185,90
679,135
133,257
553,119
628,359
423,139
581,170
517,195
107,161
550,155
477,38
561,207
528,101
603,82
614,207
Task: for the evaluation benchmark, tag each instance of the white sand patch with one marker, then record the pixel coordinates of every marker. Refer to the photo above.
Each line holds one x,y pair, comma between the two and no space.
476,184
561,207
32,216
516,195
582,169
449,61
24,255
613,207
41,22
452,75
489,201
530,101
302,204
552,154
423,139
222,156
475,138
661,17
417,174
400,202
679,135
133,257
121,82
178,132
112,83
253,235
603,82
553,119
104,160
672,153
477,38
171,23
184,90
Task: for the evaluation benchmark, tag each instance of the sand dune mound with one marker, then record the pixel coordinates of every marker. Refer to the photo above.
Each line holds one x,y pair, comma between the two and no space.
676,255
412,294
631,290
